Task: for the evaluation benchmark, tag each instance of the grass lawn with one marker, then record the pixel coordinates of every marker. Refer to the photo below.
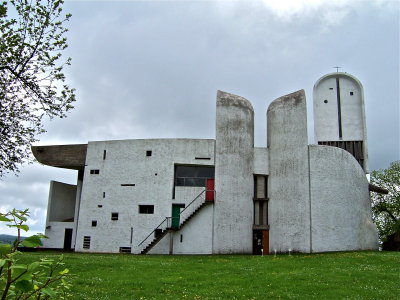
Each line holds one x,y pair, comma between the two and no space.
349,275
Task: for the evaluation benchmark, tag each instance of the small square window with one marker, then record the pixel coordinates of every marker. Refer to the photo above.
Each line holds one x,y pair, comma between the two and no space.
94,223
351,93
148,153
114,216
146,209
95,171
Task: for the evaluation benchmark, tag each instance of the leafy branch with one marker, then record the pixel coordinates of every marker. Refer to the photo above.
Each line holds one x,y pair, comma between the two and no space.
41,279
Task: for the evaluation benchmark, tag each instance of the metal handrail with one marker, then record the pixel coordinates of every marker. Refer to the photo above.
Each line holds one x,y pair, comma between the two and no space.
180,213
191,202
166,219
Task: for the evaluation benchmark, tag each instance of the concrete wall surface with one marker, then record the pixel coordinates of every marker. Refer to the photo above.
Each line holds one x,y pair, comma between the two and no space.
288,183
61,203
261,161
234,159
128,178
341,218
196,234
55,231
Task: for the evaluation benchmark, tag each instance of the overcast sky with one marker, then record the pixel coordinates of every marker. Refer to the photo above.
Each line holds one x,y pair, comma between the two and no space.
151,69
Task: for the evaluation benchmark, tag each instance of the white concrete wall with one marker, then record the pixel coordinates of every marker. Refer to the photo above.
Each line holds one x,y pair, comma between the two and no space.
196,234
234,159
288,183
126,163
55,231
261,160
341,216
61,205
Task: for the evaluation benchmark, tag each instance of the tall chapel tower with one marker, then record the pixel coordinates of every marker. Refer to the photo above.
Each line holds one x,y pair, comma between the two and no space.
339,115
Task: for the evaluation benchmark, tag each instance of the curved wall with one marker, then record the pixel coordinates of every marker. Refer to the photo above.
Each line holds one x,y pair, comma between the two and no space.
234,159
288,180
341,217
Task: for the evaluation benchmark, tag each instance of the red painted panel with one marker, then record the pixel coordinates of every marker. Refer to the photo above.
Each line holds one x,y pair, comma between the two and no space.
210,189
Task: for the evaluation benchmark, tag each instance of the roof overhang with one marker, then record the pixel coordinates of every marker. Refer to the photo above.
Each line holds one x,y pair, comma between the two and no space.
61,156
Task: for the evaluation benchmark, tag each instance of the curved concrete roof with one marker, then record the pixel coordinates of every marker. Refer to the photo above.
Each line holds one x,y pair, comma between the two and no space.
61,156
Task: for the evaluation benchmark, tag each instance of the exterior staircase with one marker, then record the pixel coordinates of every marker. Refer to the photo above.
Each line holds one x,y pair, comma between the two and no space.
155,241
165,226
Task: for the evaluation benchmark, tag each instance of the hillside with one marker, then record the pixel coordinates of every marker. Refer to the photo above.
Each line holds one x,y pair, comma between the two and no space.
8,239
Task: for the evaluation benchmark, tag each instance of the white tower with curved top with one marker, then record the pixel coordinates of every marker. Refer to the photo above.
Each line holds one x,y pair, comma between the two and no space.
339,115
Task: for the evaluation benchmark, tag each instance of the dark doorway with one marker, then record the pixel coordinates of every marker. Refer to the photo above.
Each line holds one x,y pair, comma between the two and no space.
67,238
260,242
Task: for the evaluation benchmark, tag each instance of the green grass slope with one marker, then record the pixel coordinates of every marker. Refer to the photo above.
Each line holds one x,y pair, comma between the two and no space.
350,275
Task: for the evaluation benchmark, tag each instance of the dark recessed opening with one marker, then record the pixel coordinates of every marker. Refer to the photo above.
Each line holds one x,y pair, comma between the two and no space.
331,88
114,216
148,153
351,93
146,209
95,171
100,205
104,194
94,223
104,154
325,101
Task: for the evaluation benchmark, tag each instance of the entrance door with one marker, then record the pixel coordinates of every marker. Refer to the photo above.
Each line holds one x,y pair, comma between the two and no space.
176,210
210,189
67,238
261,241
265,241
257,242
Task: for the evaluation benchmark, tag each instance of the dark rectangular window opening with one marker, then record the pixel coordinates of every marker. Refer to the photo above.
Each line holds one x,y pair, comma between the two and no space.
146,209
127,184
104,154
104,194
86,242
351,93
331,88
148,153
94,223
114,216
100,206
95,171
125,249
192,175
181,238
203,158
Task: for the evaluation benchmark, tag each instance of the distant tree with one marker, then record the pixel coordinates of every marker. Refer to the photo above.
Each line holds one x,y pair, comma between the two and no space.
32,38
386,208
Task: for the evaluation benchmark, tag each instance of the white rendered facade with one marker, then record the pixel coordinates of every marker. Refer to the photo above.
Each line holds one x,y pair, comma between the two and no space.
158,196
